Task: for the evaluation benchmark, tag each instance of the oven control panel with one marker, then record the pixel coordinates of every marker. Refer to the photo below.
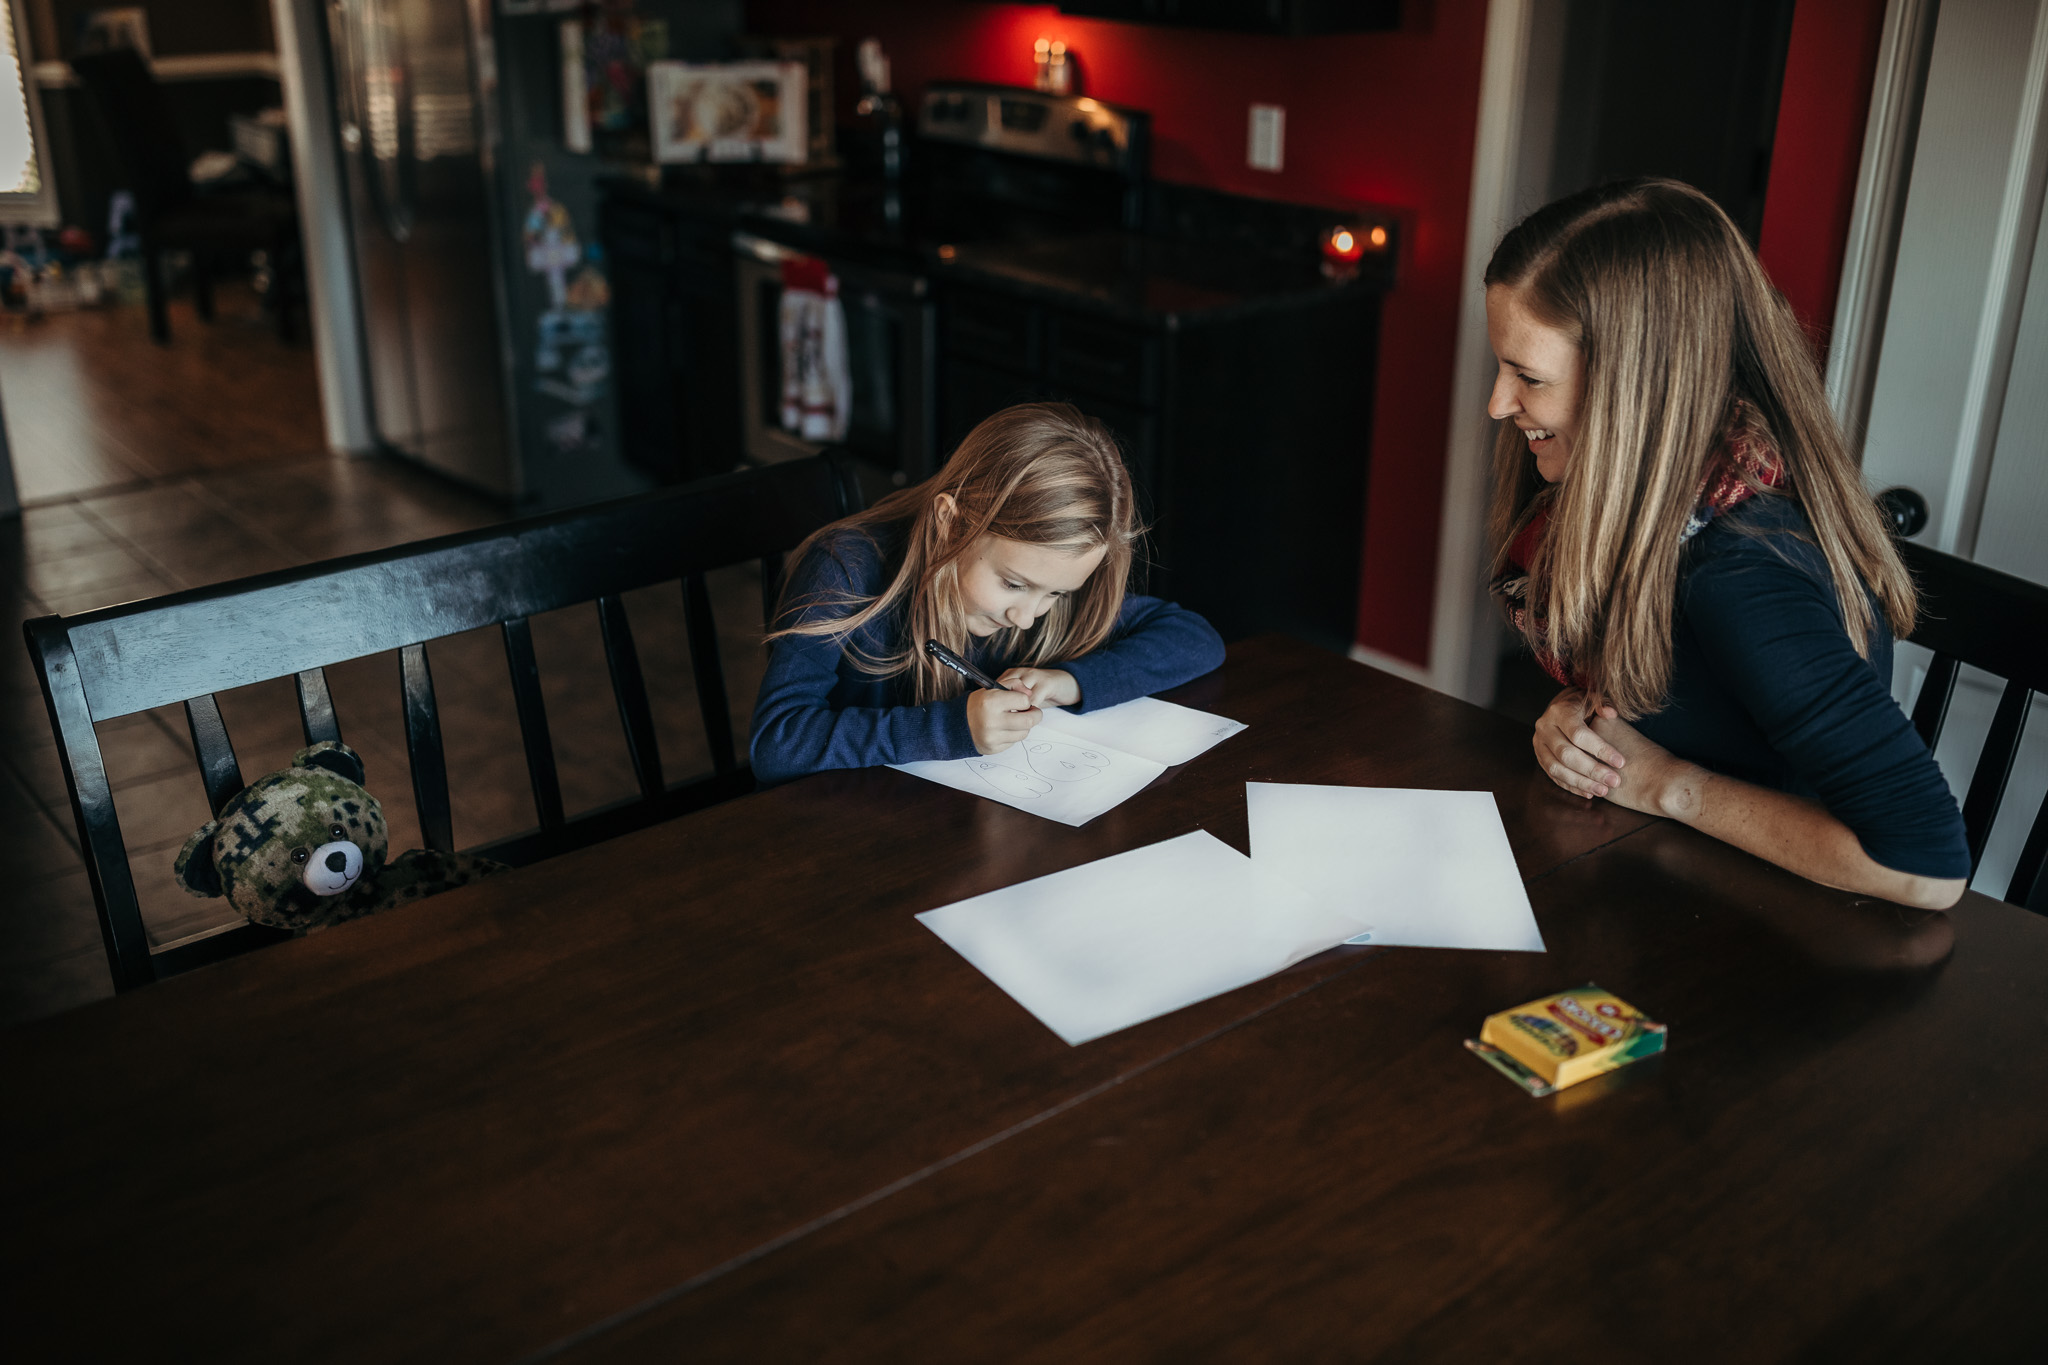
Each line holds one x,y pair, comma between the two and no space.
1067,128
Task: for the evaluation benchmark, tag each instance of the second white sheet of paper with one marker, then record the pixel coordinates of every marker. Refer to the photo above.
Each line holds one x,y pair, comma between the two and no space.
1427,869
1127,938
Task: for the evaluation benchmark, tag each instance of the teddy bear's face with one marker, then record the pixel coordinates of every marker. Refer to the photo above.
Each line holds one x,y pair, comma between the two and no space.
295,839
291,843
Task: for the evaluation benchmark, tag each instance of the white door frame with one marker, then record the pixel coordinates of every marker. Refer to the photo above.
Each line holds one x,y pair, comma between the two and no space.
332,308
1998,322
1510,164
1871,259
1872,250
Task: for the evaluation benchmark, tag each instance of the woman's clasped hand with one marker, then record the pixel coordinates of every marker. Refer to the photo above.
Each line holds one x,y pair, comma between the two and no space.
1586,748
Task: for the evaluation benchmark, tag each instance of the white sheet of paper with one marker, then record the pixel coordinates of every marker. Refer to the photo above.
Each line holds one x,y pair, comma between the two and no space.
1053,774
1127,938
1163,731
1425,869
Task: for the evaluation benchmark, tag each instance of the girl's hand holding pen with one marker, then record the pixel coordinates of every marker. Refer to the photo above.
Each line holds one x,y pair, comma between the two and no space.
1047,686
997,719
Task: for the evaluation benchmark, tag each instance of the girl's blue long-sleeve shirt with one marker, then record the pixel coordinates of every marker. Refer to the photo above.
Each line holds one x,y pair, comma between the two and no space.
1766,687
818,710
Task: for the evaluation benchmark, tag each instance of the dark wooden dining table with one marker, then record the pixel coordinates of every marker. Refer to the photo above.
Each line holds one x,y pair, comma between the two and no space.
710,1092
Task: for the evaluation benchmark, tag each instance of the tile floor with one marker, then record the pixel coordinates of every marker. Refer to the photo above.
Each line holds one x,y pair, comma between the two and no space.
214,503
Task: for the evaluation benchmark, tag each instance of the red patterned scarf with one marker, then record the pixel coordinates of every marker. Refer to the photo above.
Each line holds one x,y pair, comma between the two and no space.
1746,460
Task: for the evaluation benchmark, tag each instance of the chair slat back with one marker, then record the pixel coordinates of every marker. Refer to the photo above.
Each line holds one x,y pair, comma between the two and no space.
218,769
2027,872
705,664
92,803
423,750
187,647
1937,690
1970,614
316,708
533,723
629,690
137,118
1994,767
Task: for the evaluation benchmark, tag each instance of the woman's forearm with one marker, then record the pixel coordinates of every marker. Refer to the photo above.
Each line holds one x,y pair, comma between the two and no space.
1796,834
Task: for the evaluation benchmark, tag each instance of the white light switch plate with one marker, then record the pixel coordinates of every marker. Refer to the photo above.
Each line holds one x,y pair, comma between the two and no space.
1268,142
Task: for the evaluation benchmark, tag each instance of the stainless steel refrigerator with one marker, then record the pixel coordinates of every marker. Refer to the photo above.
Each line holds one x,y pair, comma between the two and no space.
483,295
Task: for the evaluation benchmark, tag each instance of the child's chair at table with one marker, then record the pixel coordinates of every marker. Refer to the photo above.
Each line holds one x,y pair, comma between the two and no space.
183,648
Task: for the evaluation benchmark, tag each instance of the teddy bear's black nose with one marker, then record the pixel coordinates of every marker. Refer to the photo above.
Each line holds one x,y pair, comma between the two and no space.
337,861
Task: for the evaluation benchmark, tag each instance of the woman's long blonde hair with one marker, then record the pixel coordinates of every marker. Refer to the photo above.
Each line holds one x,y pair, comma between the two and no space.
1039,473
1676,321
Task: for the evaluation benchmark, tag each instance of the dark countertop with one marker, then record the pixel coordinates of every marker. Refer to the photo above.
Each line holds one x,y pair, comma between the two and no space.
829,214
1129,276
1144,279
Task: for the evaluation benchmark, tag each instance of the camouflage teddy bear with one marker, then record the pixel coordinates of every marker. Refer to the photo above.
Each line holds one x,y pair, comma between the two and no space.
305,848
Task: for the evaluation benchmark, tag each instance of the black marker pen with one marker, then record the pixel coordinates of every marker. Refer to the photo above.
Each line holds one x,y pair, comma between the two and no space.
961,666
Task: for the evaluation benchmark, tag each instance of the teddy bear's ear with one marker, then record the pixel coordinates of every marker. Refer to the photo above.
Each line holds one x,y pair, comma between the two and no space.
194,869
334,756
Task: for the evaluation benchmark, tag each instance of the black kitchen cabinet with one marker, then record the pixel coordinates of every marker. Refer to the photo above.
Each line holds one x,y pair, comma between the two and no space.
1246,432
1297,18
1236,374
675,336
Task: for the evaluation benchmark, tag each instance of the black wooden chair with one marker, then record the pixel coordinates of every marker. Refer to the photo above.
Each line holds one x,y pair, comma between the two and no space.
171,212
117,661
1990,620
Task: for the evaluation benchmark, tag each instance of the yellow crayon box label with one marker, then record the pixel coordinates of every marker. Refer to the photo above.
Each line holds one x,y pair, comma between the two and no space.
1566,1038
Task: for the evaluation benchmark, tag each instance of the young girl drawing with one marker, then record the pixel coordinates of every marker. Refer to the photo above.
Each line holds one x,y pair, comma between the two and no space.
1686,544
1016,556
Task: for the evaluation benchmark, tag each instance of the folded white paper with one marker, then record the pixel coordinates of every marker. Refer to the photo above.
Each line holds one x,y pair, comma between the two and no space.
1162,731
1072,768
1425,869
1051,773
1115,942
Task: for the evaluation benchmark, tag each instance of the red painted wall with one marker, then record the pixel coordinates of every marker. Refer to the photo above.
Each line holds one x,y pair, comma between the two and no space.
1829,70
1387,119
1384,118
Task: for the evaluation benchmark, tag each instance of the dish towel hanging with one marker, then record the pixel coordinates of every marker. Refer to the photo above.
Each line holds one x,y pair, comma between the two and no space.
817,386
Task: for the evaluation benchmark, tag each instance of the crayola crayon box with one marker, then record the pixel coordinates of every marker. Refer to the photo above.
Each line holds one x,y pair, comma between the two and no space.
1566,1038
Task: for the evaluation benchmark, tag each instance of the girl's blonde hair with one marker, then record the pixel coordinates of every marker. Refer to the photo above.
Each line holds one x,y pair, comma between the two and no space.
1039,473
1676,322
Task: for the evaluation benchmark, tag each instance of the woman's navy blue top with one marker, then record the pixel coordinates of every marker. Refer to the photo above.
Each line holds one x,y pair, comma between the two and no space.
1766,687
818,710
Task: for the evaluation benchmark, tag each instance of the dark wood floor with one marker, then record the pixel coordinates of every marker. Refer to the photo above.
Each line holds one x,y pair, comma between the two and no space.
93,404
144,470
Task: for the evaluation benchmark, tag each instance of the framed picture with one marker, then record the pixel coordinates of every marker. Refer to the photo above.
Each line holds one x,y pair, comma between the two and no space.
728,111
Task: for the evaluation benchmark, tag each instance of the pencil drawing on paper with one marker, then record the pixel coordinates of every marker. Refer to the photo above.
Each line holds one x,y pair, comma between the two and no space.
1064,762
1007,780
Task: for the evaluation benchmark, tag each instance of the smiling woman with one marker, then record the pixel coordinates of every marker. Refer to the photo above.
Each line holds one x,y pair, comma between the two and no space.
1017,556
1541,372
1692,553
